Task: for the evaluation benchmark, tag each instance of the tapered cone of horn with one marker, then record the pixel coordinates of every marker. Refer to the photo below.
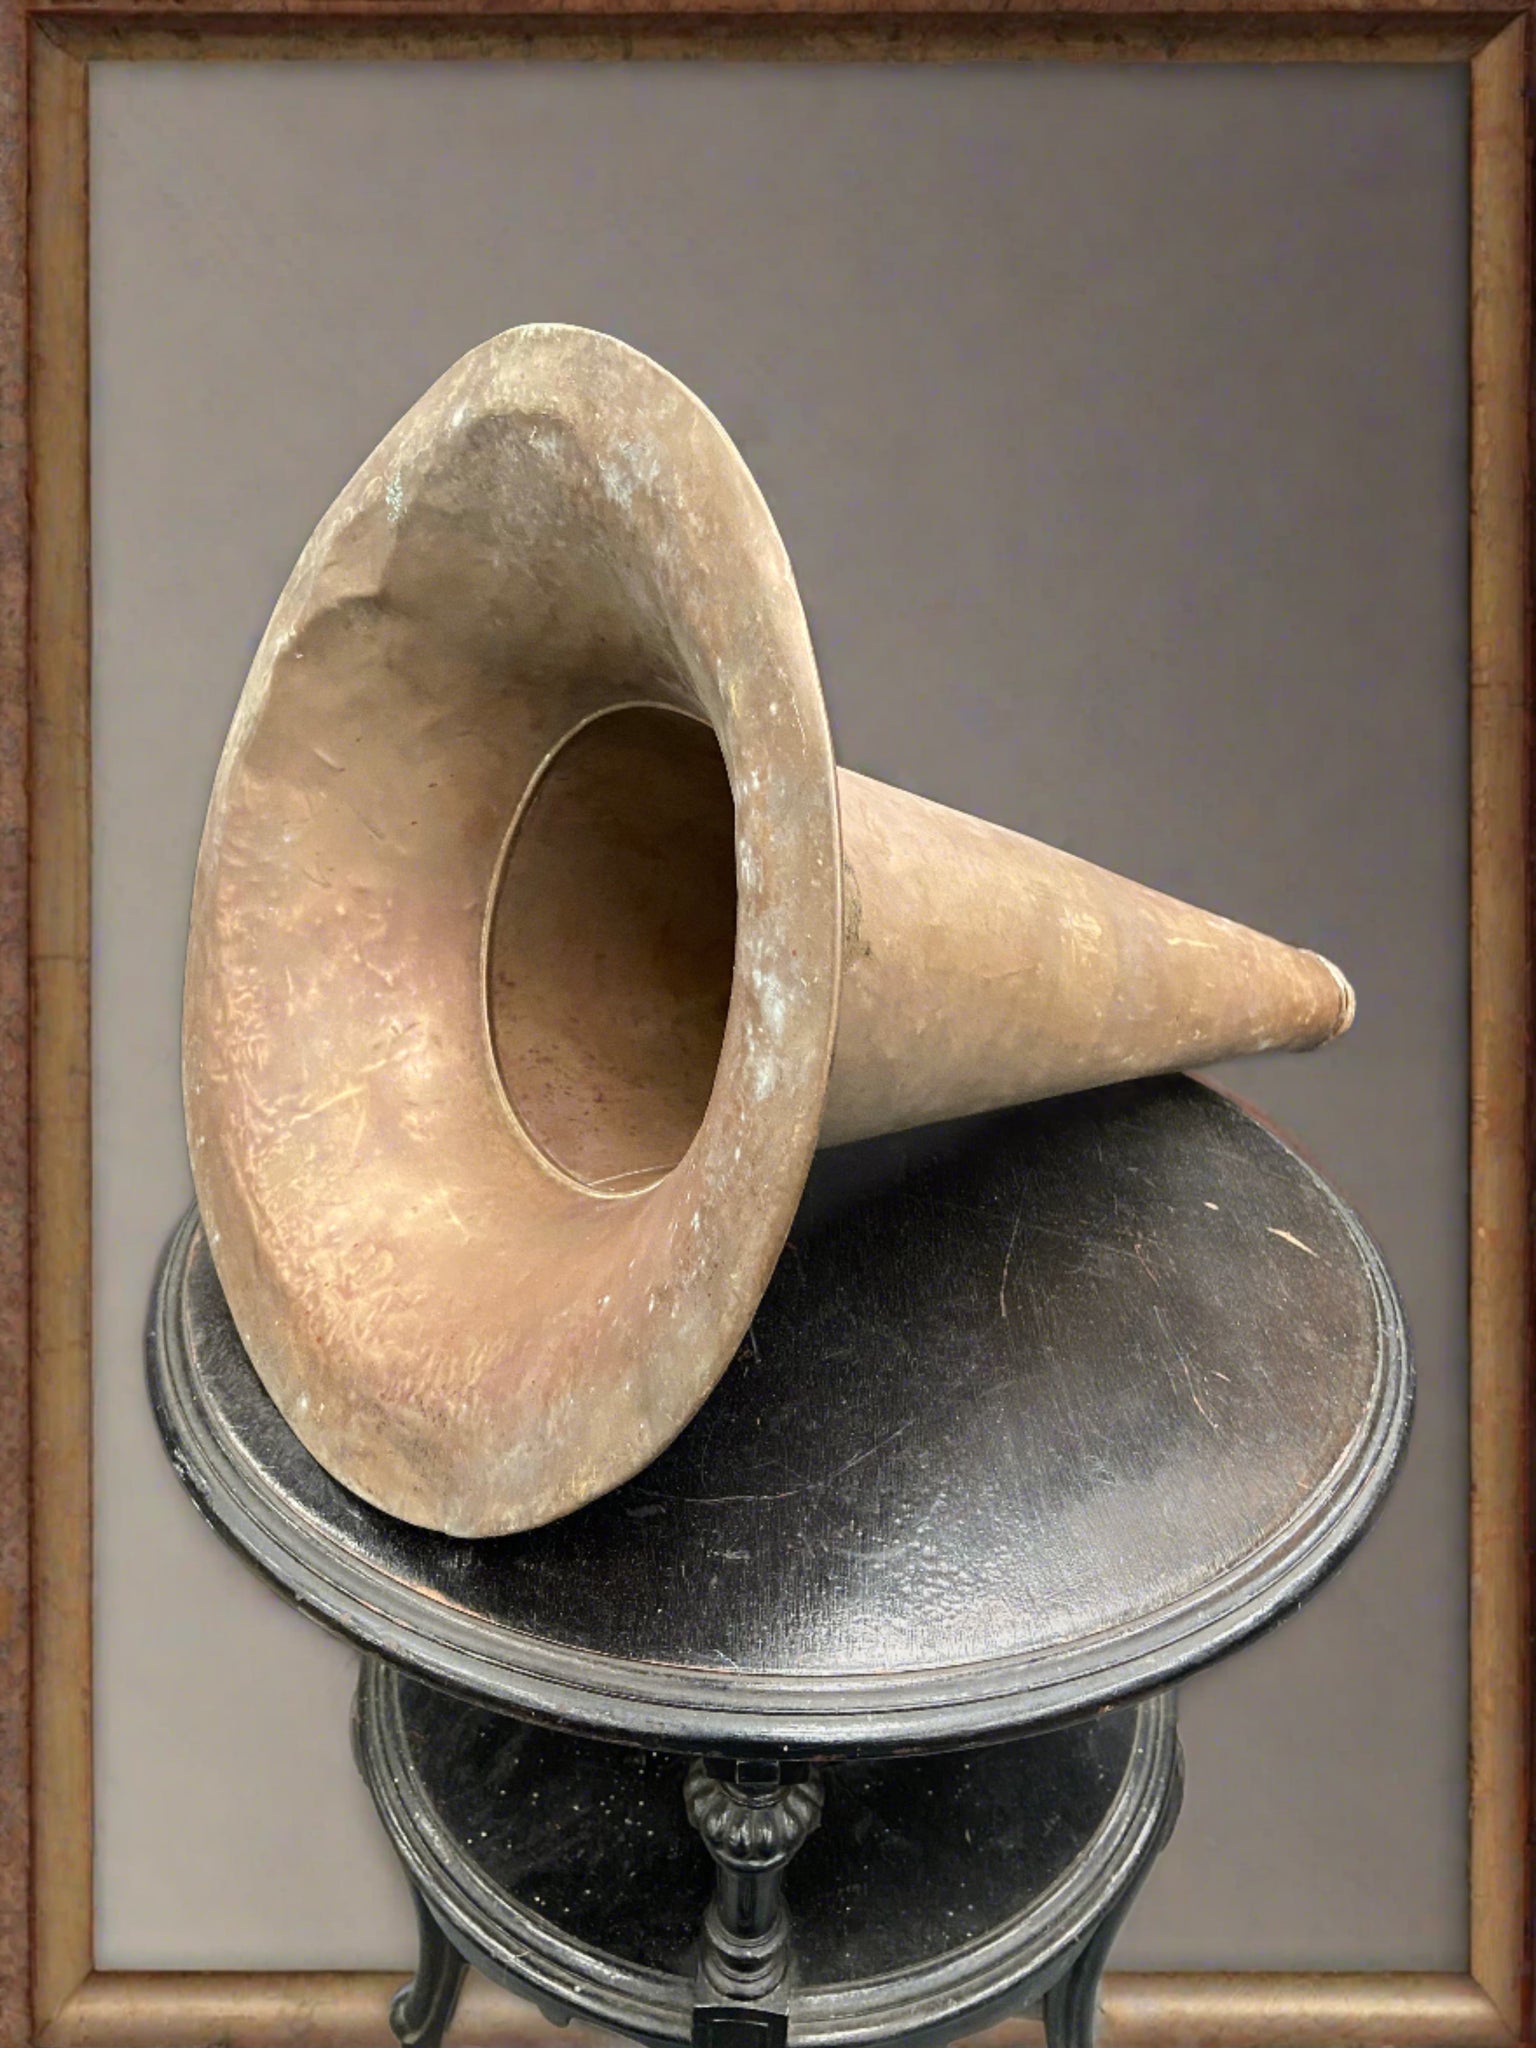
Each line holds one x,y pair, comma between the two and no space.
537,942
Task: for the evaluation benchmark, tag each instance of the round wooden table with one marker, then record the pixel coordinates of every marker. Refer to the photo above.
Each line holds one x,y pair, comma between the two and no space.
1041,1412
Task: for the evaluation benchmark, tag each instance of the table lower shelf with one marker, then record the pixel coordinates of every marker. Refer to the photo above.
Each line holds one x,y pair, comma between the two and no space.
938,1892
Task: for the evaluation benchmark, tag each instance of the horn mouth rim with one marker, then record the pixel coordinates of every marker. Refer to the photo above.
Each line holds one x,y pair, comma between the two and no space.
487,1414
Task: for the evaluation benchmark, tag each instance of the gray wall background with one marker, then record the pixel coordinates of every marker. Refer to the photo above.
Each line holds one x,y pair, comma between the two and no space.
1114,421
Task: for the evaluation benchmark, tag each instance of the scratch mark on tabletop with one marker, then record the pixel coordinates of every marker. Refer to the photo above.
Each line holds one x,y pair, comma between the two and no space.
1275,1231
1013,1238
724,1500
1183,1357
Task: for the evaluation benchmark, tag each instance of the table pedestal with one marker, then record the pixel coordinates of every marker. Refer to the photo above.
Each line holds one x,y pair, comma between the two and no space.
737,1903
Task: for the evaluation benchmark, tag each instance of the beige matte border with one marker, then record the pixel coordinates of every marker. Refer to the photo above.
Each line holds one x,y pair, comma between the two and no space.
49,1989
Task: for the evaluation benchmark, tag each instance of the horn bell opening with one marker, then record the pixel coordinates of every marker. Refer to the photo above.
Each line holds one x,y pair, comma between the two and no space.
515,951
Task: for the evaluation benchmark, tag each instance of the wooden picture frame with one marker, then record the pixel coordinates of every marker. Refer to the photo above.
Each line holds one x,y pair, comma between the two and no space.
49,1988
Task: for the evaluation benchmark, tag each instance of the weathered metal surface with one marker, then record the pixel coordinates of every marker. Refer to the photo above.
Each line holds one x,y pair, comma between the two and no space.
981,968
526,894
467,1338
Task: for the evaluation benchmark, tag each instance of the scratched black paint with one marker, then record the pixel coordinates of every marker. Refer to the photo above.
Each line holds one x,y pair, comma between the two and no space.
1040,1411
939,1893
915,1856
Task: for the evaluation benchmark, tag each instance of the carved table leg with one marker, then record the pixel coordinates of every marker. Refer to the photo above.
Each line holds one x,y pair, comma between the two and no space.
752,1817
420,2013
1071,2007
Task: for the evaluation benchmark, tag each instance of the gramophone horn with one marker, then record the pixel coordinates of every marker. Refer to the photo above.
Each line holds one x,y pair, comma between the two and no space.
537,942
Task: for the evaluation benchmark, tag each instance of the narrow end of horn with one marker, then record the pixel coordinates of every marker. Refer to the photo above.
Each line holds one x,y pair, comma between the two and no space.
1346,1015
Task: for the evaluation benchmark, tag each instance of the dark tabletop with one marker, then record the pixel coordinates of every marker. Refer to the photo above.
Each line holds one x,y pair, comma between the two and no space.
1041,1410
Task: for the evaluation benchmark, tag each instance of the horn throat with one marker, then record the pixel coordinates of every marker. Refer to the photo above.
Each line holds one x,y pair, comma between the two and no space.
610,946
